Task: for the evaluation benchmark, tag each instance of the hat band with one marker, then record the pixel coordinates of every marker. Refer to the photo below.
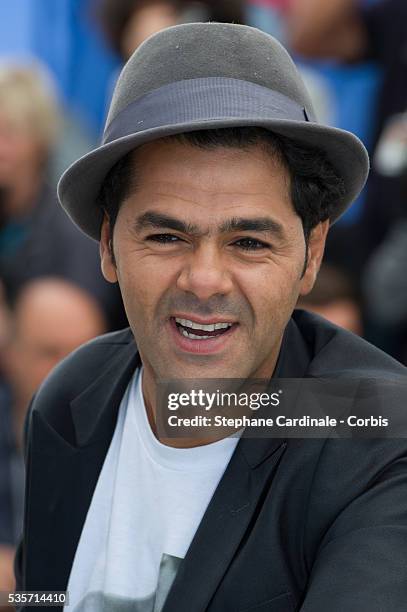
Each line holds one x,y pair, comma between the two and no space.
206,99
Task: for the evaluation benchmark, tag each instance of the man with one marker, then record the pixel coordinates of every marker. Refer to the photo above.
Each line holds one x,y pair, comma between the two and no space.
213,230
50,318
35,235
349,31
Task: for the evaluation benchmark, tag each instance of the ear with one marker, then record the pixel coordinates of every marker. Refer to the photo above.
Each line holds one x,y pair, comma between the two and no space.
106,252
316,246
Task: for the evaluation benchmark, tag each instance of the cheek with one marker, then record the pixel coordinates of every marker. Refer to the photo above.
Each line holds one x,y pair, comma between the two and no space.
271,290
143,281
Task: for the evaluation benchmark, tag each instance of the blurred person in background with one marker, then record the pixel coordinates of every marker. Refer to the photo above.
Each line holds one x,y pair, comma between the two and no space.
49,320
350,30
36,237
335,298
385,285
127,23
269,16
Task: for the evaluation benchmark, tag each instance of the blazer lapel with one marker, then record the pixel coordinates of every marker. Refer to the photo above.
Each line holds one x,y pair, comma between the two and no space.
224,524
64,475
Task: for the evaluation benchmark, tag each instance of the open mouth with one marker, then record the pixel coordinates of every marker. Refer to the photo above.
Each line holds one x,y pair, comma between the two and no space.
199,331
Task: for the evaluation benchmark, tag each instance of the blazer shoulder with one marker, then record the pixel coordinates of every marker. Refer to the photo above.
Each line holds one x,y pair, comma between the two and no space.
79,369
339,353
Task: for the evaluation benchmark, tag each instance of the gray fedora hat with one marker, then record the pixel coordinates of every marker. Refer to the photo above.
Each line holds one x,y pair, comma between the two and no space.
200,76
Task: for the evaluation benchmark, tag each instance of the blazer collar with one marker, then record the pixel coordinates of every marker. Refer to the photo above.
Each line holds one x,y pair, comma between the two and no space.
65,474
96,408
293,362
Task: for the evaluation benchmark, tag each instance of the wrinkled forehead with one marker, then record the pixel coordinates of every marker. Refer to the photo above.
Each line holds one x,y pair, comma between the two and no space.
208,184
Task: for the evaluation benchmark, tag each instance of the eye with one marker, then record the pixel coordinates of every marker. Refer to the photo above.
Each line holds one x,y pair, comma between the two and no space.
164,238
251,244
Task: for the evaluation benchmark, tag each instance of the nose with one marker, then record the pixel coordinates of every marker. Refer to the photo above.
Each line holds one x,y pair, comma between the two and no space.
205,274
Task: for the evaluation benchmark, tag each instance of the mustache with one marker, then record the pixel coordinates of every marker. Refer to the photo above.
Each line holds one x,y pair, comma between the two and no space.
215,305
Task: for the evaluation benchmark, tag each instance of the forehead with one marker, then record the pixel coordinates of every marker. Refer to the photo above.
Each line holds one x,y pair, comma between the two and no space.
208,184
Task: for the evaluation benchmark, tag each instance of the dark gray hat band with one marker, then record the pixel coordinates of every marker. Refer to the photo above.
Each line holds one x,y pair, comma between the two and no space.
197,100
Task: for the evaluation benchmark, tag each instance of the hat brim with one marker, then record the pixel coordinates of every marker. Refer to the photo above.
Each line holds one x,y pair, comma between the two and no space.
80,184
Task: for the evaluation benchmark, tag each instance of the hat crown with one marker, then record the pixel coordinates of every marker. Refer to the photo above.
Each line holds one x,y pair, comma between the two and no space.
201,50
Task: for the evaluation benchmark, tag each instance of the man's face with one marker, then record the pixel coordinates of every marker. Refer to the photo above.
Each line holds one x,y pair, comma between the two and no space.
209,238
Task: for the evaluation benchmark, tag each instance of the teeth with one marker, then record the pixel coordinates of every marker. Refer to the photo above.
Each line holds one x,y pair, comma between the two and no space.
194,336
211,327
222,325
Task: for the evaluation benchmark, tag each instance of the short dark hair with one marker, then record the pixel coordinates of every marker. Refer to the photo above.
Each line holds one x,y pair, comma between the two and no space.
315,186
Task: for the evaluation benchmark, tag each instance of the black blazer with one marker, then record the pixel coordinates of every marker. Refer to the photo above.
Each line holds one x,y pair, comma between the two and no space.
312,525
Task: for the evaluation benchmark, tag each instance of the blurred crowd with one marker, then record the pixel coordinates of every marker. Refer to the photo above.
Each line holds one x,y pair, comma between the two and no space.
52,294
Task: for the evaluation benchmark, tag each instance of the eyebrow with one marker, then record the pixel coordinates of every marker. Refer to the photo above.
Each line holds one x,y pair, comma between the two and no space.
257,224
235,224
160,221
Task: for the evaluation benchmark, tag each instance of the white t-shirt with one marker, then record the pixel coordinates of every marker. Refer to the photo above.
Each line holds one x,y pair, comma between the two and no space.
145,510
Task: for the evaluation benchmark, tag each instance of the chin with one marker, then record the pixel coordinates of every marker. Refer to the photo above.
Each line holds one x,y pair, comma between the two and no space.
203,369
